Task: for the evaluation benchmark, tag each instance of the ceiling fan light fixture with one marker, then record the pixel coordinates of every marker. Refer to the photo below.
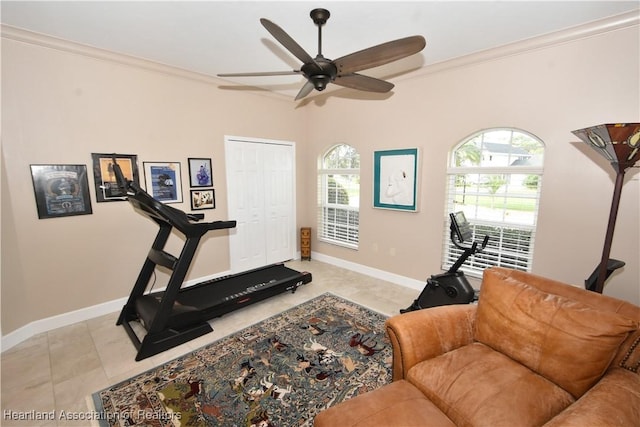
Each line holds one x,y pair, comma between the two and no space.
320,81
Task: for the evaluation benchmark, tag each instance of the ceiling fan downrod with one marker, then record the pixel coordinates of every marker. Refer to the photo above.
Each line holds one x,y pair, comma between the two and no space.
319,17
321,71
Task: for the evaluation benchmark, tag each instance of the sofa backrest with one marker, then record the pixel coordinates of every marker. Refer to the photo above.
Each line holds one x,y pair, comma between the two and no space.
566,334
628,355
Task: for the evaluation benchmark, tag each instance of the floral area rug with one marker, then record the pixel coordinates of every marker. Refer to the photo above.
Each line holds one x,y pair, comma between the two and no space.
279,372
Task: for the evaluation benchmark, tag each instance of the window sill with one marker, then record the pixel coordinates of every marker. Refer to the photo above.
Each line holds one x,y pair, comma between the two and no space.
338,243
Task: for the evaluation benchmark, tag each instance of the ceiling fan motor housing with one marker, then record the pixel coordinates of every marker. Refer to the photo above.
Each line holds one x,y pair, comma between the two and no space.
321,72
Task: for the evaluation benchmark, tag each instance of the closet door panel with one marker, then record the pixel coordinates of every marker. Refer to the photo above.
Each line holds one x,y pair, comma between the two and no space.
261,198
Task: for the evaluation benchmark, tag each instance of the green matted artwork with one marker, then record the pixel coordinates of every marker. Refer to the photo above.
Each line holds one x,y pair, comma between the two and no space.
395,179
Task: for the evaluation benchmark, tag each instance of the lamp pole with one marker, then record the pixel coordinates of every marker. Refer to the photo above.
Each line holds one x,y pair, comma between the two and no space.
613,215
620,144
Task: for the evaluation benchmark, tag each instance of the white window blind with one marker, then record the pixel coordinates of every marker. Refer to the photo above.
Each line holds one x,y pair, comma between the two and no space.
339,196
495,178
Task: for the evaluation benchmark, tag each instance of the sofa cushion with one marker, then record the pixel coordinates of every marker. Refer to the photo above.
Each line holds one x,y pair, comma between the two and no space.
613,401
396,404
475,385
563,340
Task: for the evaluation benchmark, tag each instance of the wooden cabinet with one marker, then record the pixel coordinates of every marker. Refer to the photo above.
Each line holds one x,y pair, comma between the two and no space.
305,243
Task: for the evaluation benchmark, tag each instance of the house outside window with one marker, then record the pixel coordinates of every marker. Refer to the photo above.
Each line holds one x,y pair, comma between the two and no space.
495,178
339,196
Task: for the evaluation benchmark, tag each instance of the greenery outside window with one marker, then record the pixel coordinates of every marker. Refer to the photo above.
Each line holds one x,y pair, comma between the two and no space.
339,196
495,178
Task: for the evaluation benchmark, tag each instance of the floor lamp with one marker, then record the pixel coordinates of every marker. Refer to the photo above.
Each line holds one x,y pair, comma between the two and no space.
620,145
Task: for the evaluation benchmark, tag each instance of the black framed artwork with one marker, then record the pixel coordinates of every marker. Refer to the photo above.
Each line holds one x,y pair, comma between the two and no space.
163,181
203,199
200,173
61,190
106,186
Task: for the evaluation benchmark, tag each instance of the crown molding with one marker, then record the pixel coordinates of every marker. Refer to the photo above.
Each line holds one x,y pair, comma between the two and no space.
590,29
594,28
43,40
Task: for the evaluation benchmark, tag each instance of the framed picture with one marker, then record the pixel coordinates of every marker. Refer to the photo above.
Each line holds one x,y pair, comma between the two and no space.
395,180
203,199
163,181
107,189
61,190
200,174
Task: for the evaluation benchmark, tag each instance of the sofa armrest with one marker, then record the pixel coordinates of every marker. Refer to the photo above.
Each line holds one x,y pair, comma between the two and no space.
420,335
613,401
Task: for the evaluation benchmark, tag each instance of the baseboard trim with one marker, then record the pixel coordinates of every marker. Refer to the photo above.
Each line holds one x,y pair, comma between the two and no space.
54,322
370,271
44,325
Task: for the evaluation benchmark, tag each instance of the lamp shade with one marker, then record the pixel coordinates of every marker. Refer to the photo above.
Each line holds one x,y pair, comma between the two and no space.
619,143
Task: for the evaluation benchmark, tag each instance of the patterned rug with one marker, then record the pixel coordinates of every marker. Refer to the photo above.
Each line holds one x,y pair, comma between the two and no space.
279,372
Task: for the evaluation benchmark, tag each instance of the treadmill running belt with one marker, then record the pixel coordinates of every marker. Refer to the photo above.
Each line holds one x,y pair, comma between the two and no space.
219,296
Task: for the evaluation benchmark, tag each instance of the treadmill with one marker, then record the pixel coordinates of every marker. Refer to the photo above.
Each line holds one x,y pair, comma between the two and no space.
179,314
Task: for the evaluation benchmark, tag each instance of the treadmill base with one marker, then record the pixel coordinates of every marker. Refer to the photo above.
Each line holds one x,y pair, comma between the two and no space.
199,303
153,344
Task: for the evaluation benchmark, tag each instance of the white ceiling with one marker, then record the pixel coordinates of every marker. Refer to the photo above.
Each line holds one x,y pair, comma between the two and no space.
212,37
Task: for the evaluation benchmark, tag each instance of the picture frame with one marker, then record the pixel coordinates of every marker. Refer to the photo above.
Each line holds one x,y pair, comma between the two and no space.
61,190
395,180
203,199
106,186
200,173
163,180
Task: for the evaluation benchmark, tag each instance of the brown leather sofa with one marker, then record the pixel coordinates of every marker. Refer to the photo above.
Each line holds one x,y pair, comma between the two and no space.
532,352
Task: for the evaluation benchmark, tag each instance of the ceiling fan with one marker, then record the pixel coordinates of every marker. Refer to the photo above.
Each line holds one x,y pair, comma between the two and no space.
320,71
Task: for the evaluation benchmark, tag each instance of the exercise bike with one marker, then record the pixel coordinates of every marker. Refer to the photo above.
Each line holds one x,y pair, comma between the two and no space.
451,287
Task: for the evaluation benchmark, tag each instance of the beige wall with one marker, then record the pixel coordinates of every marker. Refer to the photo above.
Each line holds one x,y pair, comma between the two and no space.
59,107
548,92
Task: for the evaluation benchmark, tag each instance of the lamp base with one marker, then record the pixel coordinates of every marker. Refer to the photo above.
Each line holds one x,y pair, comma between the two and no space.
612,265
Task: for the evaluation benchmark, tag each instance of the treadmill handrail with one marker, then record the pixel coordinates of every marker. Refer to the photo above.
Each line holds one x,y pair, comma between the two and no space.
175,217
162,212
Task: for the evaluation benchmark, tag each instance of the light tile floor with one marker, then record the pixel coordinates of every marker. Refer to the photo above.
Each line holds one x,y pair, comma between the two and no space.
58,370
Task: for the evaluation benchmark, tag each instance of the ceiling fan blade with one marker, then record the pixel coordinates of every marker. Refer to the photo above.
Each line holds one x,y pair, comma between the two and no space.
360,82
380,54
306,90
286,41
259,74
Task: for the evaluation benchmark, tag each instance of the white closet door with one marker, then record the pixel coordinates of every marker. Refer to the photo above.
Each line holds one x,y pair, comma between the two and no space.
261,197
278,202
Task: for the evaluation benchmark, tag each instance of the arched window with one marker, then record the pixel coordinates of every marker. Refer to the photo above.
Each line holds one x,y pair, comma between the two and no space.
339,196
495,178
